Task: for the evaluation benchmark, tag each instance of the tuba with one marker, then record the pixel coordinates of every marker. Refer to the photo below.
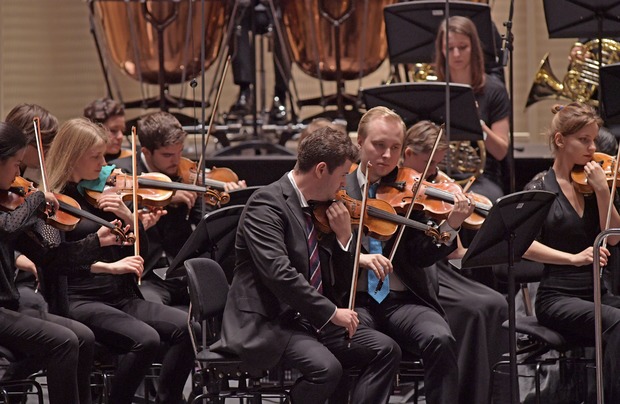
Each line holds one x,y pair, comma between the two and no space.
580,82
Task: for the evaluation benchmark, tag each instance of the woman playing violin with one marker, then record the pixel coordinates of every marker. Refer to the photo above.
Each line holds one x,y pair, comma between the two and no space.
21,116
475,312
64,347
564,297
112,306
161,139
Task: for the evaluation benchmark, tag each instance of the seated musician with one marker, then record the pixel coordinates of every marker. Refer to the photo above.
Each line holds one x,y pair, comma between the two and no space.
474,311
21,117
112,306
111,115
288,292
406,306
161,139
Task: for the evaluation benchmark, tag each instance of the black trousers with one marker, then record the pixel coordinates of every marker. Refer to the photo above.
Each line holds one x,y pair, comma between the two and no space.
573,317
63,347
420,330
321,358
136,327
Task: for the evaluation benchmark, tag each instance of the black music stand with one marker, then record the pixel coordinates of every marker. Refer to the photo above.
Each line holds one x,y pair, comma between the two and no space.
506,234
582,18
418,101
213,237
419,21
609,88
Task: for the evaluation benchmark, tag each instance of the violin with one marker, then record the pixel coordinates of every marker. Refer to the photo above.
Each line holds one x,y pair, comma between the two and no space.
580,180
434,198
215,179
68,215
152,194
380,219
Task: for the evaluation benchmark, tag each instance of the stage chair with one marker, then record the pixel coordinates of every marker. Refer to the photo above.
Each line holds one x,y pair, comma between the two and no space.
10,390
538,339
208,290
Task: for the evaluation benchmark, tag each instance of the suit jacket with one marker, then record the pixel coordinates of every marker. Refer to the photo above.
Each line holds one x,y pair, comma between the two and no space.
270,284
169,233
415,252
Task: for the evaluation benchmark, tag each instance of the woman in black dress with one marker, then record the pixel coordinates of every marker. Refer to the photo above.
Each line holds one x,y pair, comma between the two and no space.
564,298
112,306
62,346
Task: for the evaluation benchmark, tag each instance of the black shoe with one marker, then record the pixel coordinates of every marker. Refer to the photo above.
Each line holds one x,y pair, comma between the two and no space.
278,113
244,104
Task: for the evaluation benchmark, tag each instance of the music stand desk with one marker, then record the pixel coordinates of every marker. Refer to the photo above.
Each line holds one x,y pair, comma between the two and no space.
418,101
213,226
411,28
578,18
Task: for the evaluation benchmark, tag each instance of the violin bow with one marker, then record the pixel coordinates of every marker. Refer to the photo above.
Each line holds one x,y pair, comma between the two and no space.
36,122
401,229
134,194
358,242
612,195
199,167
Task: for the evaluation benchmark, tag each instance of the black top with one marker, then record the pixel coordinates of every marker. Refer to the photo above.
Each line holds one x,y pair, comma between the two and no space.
562,221
100,287
493,105
23,230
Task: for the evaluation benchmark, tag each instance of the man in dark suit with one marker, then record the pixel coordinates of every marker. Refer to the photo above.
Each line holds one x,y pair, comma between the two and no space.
161,139
405,307
276,312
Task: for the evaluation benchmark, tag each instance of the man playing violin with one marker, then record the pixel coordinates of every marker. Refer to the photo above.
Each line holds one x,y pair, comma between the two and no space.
405,307
284,304
162,139
474,311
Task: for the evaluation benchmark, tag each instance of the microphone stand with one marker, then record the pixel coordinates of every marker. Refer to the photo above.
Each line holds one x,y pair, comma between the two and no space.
507,50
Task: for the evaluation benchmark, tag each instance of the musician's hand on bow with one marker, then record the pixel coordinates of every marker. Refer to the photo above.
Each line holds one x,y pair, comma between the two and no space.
129,265
586,257
346,318
51,203
377,263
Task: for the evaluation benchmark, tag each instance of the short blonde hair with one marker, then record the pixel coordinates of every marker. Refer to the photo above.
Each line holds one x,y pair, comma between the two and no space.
378,113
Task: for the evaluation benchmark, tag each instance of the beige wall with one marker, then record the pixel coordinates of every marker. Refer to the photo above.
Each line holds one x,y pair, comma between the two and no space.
47,56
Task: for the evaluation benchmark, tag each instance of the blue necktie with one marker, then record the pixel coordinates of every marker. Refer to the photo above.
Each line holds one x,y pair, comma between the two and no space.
375,247
314,274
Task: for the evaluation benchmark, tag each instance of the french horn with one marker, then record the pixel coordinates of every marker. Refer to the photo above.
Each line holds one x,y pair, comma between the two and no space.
580,82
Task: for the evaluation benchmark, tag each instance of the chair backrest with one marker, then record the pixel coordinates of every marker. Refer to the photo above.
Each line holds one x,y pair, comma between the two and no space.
208,288
221,230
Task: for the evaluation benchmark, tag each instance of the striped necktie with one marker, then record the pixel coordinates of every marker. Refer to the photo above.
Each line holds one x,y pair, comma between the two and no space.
313,252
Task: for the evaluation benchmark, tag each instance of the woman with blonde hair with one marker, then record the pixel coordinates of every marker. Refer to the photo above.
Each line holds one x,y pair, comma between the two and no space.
112,306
